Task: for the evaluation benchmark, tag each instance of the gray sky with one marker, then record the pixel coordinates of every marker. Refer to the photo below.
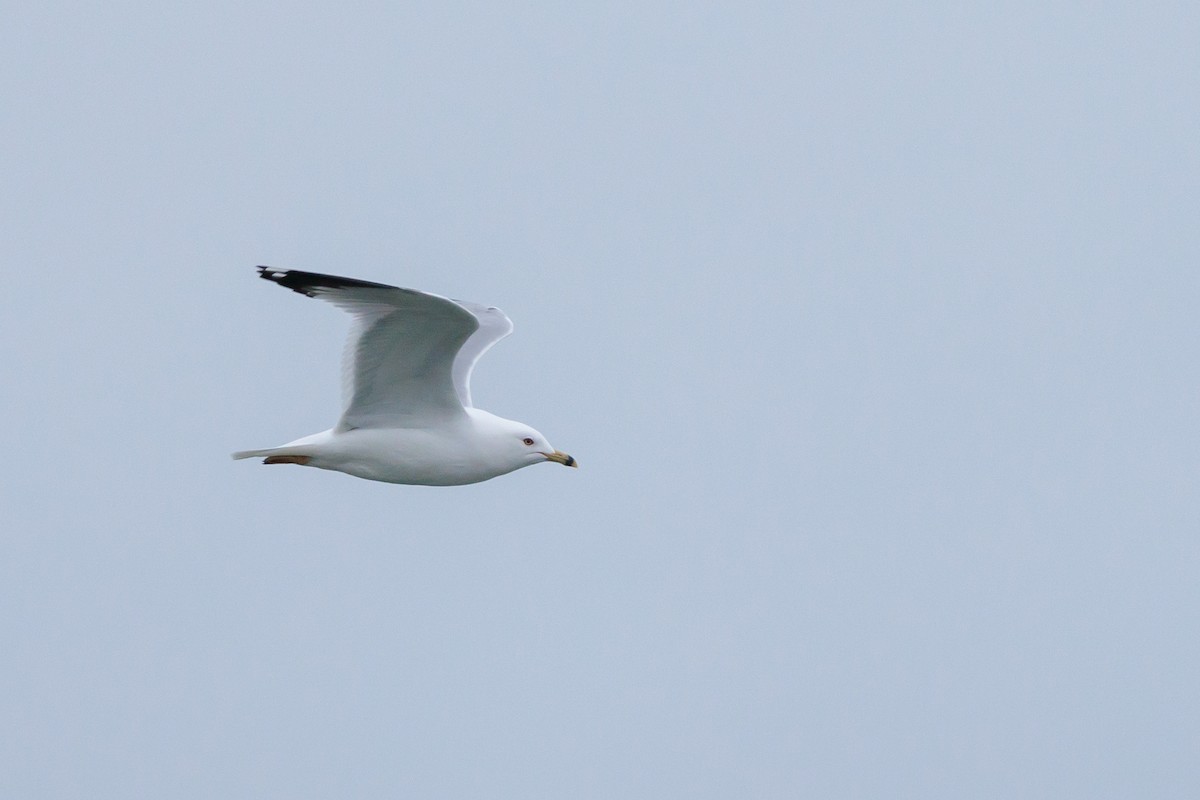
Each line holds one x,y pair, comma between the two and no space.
872,328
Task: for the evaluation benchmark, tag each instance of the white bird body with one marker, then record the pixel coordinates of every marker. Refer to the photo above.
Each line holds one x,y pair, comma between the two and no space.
409,417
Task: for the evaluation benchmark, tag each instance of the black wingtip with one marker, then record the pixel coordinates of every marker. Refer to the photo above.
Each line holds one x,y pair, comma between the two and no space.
307,283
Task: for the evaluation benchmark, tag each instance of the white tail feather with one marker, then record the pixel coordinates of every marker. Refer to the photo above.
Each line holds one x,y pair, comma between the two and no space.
254,453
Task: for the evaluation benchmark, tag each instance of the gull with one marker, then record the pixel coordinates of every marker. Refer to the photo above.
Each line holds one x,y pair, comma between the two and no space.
407,372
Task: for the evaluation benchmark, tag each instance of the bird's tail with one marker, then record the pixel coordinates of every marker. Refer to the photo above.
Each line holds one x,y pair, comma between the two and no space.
240,454
297,452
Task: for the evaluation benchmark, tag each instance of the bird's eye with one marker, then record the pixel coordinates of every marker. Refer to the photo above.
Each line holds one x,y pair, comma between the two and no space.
528,441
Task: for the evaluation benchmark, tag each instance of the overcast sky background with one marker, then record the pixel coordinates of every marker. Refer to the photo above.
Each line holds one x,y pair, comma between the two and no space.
873,328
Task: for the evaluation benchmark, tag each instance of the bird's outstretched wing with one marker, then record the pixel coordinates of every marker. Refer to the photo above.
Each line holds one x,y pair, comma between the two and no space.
494,325
410,355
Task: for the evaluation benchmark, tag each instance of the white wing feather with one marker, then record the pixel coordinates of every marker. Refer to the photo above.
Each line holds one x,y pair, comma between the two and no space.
410,353
494,325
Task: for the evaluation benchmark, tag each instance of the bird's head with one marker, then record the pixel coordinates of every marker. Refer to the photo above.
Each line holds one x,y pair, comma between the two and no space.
536,448
527,446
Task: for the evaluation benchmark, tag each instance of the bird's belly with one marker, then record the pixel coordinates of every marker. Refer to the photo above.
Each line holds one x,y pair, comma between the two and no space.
401,456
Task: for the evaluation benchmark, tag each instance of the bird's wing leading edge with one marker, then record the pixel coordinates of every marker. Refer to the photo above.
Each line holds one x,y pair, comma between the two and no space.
402,360
494,325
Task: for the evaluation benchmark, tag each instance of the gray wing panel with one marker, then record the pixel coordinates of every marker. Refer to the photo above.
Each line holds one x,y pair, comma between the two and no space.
400,362
402,365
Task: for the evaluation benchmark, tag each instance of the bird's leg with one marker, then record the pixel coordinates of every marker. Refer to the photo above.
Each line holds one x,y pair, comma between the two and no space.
287,459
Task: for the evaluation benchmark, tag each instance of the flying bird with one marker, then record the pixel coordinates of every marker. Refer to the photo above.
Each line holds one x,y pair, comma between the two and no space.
407,372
